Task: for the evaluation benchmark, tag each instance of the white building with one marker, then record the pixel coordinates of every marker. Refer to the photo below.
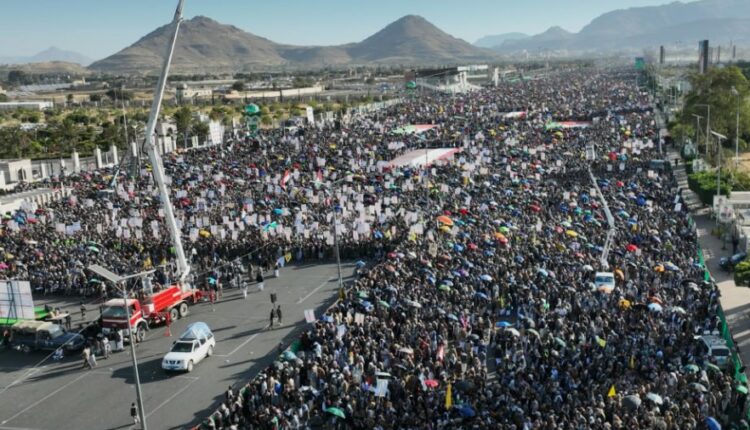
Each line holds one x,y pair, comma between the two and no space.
26,105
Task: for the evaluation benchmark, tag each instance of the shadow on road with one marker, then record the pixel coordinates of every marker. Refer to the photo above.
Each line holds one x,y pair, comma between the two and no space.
242,377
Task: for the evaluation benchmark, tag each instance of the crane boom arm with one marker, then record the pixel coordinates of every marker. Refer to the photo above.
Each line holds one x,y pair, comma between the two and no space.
158,169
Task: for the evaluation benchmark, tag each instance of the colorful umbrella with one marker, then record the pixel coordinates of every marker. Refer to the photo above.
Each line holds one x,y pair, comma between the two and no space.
336,412
445,220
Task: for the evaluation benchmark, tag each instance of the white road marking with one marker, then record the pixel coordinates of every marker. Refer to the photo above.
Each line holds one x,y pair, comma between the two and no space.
302,299
16,428
248,340
33,405
170,398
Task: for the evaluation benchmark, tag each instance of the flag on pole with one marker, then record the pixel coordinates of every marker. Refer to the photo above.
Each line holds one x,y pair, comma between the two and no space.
612,392
448,397
285,179
318,178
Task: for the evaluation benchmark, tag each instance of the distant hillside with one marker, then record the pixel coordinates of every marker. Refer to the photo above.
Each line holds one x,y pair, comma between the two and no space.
498,39
50,67
204,45
640,27
49,55
414,39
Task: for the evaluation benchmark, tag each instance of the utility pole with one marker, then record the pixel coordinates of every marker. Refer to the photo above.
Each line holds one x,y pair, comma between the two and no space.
737,130
708,125
119,281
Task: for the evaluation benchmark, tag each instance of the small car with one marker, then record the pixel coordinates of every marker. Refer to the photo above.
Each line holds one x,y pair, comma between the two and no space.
715,348
194,344
728,263
604,281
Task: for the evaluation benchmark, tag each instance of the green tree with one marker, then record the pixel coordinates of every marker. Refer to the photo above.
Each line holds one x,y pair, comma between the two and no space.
200,129
183,119
715,88
742,274
238,86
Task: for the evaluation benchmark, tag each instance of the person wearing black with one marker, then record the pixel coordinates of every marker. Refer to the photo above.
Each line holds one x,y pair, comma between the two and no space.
278,314
259,279
134,413
270,322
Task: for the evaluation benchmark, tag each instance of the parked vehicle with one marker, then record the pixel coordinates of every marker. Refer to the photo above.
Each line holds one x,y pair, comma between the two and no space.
715,348
728,263
44,336
604,281
147,310
196,343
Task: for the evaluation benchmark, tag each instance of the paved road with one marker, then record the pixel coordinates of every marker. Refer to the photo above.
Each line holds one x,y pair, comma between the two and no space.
61,395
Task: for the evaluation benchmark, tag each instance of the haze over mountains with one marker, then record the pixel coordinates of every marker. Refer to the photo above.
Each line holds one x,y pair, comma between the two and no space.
51,54
635,28
206,45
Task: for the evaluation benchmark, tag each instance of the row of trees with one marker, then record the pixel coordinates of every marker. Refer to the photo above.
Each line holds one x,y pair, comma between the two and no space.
725,90
57,132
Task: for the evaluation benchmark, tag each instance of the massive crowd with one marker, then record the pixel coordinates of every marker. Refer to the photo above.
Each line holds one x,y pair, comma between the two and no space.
478,309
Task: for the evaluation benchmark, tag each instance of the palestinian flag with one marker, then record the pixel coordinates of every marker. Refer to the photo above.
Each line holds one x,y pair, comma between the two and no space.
318,178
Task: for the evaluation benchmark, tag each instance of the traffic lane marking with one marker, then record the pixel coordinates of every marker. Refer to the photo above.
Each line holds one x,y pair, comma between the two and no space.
326,282
172,397
244,343
38,402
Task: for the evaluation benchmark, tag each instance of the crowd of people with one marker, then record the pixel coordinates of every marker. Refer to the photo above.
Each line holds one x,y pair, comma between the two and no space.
478,306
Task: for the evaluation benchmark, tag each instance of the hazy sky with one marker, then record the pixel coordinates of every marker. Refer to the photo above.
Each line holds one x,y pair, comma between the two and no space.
98,28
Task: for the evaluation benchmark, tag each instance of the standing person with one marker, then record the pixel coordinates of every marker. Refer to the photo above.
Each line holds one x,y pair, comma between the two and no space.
270,322
134,413
92,360
276,270
119,341
107,347
278,314
259,279
85,354
83,311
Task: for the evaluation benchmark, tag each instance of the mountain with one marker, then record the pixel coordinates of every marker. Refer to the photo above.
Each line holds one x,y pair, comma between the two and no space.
639,27
498,39
554,38
414,39
51,54
46,68
204,45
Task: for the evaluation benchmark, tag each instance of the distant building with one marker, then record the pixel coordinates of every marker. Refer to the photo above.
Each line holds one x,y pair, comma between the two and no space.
26,105
184,93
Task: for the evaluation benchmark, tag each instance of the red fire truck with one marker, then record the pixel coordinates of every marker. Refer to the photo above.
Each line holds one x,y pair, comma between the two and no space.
147,310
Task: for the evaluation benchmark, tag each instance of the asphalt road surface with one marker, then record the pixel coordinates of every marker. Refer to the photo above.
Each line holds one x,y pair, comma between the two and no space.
60,395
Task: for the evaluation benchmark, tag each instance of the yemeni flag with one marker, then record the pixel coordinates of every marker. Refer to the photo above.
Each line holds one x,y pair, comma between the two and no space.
285,179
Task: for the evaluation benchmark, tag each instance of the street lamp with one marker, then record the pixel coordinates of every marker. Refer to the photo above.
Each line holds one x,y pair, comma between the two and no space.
118,280
737,130
697,130
720,137
331,189
708,124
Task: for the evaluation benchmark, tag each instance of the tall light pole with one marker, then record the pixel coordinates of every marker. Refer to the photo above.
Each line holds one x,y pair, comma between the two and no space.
720,137
737,130
332,189
118,280
708,124
697,130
